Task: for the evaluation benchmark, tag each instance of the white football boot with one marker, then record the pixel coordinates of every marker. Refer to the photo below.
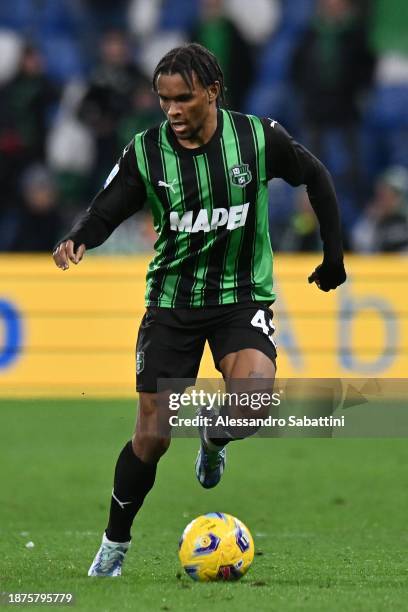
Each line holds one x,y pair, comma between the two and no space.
109,558
210,464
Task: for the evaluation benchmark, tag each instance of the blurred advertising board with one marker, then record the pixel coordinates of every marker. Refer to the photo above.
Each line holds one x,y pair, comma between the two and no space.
73,333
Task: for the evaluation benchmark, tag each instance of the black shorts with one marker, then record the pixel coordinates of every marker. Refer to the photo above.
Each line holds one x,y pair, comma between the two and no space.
170,342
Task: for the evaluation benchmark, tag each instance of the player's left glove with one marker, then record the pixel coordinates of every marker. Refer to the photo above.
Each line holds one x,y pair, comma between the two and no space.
328,275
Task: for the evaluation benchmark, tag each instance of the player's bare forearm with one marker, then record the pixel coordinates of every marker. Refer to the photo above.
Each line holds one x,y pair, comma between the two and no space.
65,252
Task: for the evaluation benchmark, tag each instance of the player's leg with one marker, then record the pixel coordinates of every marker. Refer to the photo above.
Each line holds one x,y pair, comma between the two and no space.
244,351
165,350
248,364
249,372
135,470
135,474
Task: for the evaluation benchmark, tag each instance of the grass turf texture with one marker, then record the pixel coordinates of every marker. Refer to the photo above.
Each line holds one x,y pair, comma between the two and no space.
328,516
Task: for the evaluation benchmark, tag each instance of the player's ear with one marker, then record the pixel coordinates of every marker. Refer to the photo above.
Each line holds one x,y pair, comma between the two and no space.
213,91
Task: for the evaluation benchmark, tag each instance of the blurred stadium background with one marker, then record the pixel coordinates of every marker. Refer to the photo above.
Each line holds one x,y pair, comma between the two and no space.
74,81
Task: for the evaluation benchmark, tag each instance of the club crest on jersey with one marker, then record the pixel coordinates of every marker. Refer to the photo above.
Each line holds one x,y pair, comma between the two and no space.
240,175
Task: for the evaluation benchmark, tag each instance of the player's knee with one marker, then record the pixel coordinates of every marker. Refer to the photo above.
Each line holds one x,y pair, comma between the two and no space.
152,405
149,447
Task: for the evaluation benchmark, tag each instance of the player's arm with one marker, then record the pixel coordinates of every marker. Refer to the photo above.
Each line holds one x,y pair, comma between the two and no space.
287,159
122,195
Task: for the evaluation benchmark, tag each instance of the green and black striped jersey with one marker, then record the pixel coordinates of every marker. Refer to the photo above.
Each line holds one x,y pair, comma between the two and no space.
210,208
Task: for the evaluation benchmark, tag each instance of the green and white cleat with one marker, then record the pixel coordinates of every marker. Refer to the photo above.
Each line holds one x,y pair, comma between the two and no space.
210,464
109,558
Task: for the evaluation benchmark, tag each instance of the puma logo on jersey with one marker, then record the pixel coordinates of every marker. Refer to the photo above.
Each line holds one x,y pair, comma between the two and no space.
168,185
204,222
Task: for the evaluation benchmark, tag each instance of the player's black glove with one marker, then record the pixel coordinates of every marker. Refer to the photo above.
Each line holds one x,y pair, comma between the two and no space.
328,275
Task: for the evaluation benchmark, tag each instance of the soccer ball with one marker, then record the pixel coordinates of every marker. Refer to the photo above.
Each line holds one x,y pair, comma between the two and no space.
216,546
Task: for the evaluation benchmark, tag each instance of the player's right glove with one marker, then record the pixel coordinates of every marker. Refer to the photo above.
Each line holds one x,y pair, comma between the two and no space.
328,275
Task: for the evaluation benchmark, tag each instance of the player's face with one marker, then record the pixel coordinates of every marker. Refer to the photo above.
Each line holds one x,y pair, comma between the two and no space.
188,110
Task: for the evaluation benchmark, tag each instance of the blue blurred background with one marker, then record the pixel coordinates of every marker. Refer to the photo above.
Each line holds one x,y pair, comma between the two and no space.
75,87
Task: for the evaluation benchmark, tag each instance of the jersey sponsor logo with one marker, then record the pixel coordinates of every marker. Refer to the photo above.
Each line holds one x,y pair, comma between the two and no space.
233,218
240,175
168,185
111,176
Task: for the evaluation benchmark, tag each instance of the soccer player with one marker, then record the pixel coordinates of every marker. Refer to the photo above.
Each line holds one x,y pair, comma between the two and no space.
204,174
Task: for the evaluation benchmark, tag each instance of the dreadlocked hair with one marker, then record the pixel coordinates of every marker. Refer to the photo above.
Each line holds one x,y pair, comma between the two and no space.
191,58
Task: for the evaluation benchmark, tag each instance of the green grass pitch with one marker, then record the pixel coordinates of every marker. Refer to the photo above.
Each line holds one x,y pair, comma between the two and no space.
329,517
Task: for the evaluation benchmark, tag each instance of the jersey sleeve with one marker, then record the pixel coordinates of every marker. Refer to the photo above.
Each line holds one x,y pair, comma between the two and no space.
122,195
287,159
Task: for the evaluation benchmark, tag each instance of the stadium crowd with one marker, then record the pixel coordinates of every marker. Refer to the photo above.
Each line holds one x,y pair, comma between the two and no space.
75,87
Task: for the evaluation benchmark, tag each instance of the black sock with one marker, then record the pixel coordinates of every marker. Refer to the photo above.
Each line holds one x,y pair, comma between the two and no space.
221,442
217,434
133,480
221,435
